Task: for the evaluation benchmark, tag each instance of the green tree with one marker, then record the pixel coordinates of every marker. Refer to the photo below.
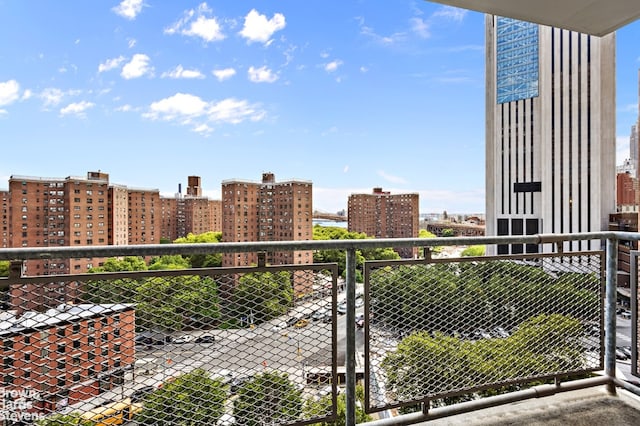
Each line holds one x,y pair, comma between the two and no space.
171,303
71,419
191,399
448,232
473,251
427,365
263,296
322,407
175,261
127,263
4,268
203,260
339,256
268,398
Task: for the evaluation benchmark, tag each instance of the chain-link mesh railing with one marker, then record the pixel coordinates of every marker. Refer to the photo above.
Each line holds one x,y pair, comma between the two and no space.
452,330
211,346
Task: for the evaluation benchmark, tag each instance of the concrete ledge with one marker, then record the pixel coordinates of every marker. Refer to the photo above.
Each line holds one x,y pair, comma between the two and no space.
592,407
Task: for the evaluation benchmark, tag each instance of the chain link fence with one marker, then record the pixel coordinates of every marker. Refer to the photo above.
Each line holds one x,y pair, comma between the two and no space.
211,346
450,330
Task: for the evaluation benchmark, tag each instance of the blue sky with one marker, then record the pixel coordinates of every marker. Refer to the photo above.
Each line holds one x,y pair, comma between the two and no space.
349,94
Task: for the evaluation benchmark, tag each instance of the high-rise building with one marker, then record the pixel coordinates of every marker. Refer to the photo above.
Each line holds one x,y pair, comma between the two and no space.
550,131
385,215
71,211
268,211
190,213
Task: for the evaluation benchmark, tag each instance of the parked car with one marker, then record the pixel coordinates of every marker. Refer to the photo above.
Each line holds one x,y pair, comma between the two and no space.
302,323
205,338
186,338
319,314
292,321
279,326
342,308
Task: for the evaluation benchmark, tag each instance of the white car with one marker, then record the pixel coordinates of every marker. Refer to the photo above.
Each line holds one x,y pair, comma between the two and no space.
186,338
279,326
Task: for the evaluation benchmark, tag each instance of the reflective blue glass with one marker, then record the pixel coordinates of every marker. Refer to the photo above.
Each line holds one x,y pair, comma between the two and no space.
516,60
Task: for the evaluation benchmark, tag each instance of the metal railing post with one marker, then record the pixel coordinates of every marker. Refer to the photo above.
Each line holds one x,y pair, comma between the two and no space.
350,347
634,311
611,287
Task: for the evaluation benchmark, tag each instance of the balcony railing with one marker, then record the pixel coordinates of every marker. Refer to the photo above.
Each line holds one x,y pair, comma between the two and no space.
291,344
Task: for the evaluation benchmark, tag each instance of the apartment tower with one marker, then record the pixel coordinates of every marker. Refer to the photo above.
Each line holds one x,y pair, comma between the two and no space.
190,213
385,215
268,211
550,132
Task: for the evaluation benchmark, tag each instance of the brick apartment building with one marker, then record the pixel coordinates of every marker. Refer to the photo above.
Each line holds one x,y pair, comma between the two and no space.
383,215
191,213
268,211
71,211
67,354
627,196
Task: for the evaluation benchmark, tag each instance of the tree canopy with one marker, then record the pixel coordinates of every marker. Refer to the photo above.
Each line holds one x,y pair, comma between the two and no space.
191,399
268,398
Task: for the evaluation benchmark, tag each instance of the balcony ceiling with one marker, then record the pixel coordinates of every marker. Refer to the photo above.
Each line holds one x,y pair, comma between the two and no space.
596,17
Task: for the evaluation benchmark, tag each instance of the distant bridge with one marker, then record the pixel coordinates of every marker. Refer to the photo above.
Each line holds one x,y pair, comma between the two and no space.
329,216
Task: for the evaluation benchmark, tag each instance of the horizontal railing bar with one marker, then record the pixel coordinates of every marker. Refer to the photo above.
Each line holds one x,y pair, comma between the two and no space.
492,401
238,247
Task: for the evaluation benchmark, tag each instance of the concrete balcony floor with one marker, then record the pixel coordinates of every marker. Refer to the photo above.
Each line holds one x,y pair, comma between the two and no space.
588,407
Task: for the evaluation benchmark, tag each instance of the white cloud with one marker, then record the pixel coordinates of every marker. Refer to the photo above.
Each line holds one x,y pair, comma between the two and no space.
451,13
132,42
262,75
257,28
224,74
622,148
364,69
9,92
78,108
420,27
3,112
51,96
179,105
333,65
137,67
203,129
180,72
345,169
129,9
27,94
391,178
203,26
110,64
187,109
124,108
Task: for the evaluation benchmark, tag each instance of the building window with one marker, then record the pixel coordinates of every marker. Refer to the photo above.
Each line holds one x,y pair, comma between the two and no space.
62,349
76,328
8,362
8,344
